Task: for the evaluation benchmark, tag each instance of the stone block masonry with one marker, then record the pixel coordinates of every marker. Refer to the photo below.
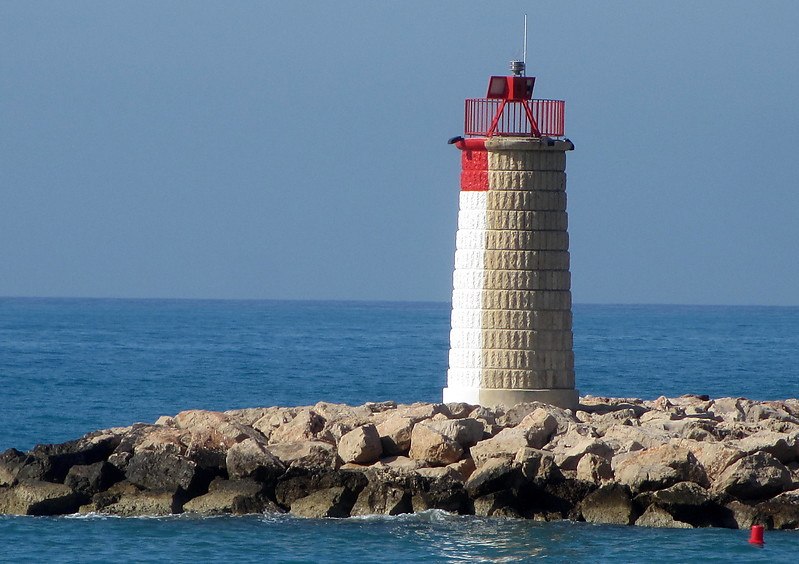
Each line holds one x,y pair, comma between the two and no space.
511,338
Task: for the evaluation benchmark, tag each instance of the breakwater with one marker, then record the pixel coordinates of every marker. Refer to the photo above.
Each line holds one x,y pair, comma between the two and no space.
687,461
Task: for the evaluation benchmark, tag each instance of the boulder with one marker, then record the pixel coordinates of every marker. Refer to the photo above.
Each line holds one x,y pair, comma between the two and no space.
11,461
458,410
273,418
306,454
33,497
251,459
504,445
299,482
756,476
485,414
88,479
770,411
464,467
433,447
601,405
603,422
657,468
400,464
157,439
307,425
629,438
537,466
499,504
237,497
466,432
440,472
331,502
682,494
782,510
446,494
51,463
495,475
594,468
539,426
420,411
728,409
570,448
655,516
137,503
609,505
247,416
395,435
714,457
212,430
782,446
380,498
514,416
361,445
742,515
165,472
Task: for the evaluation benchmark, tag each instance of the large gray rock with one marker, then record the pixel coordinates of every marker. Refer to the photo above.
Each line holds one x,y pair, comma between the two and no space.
629,438
273,418
251,459
420,411
465,432
237,497
51,463
433,447
655,516
782,511
38,498
308,454
682,494
381,498
88,479
306,426
212,430
610,505
144,503
499,504
537,466
331,502
540,425
572,447
595,469
445,493
658,468
164,472
495,475
782,446
11,461
299,482
395,435
756,476
361,445
714,457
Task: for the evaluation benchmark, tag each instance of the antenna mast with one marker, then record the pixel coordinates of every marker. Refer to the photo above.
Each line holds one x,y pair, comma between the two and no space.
524,56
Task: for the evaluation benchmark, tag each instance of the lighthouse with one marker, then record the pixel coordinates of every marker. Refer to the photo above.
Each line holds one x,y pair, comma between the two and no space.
511,336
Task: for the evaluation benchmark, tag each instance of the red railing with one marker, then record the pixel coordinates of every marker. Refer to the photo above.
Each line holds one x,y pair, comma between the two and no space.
486,117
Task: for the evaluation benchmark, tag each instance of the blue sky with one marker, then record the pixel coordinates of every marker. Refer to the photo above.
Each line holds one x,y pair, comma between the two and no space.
298,150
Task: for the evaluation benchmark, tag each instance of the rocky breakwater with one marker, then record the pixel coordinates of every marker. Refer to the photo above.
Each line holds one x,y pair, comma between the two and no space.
672,462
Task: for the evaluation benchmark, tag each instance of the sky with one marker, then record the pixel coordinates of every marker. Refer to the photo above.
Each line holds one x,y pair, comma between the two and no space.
297,150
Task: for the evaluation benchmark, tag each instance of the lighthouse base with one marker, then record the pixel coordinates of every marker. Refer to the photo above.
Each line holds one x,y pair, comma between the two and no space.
490,397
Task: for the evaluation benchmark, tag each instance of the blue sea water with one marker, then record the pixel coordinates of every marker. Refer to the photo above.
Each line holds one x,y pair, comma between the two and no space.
69,366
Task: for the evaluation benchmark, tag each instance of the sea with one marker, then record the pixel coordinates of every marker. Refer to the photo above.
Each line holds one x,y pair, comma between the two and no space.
70,366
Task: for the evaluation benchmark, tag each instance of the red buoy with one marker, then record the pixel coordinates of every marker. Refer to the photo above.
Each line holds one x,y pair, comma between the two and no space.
756,535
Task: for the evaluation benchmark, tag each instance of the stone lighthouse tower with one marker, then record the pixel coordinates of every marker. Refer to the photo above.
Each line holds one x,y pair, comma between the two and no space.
511,338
